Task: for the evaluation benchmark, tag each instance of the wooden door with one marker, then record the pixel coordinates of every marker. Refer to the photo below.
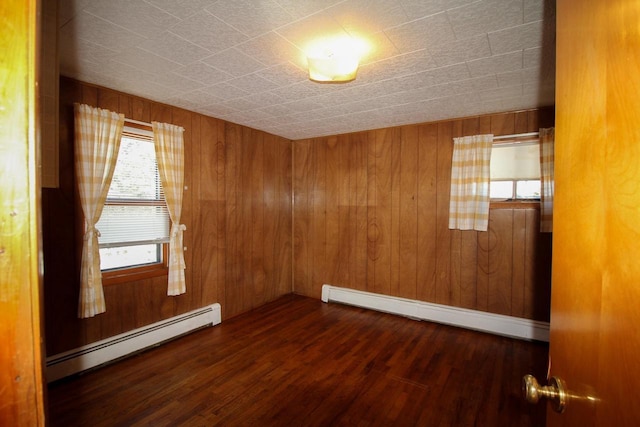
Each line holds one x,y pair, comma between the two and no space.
21,390
595,303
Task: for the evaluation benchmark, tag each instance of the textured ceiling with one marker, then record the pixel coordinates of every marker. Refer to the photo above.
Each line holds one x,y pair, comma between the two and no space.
243,60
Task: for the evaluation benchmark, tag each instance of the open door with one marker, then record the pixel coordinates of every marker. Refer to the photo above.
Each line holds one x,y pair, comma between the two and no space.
595,302
21,389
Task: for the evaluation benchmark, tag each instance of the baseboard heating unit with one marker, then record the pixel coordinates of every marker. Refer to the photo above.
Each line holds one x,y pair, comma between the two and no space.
113,348
498,324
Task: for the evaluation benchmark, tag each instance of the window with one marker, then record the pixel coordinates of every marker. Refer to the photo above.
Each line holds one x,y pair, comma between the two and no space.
134,226
515,171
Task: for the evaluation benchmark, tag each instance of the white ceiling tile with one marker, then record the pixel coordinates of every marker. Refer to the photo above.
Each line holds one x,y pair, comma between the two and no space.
68,9
381,48
541,61
177,49
234,62
297,91
241,104
460,51
305,105
144,60
496,64
251,17
283,74
534,10
181,8
422,33
104,33
177,82
252,83
416,9
511,78
72,49
363,17
304,31
484,82
217,110
500,93
302,8
227,91
485,16
516,38
278,110
136,16
271,49
266,99
203,73
396,66
203,97
208,32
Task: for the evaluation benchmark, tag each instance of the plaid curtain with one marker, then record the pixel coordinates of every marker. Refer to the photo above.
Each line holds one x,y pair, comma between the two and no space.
469,202
547,142
169,145
97,141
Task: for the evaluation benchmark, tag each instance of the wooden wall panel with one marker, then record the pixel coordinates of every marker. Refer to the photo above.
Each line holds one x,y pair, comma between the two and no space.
427,212
443,234
408,212
402,176
301,225
238,235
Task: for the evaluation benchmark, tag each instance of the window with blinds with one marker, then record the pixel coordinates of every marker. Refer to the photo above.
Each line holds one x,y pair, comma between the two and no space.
515,171
134,225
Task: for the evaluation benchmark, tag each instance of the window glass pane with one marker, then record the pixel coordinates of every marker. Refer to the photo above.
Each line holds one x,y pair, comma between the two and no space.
128,256
501,189
136,173
528,189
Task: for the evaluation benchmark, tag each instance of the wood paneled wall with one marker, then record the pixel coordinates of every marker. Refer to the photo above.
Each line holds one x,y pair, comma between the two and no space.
237,209
371,213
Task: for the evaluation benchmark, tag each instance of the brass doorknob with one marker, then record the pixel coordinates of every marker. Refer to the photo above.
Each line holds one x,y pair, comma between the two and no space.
555,392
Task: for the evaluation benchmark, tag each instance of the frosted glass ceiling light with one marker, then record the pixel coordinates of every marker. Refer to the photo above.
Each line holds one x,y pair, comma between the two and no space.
334,60
332,68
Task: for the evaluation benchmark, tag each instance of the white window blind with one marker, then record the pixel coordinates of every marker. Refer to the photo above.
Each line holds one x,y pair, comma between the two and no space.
515,161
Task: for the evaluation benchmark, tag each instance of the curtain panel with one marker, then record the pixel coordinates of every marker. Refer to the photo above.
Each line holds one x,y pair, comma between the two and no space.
469,202
97,141
547,180
169,146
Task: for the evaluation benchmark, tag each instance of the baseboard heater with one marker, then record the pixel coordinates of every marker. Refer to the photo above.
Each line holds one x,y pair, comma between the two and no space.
470,319
113,348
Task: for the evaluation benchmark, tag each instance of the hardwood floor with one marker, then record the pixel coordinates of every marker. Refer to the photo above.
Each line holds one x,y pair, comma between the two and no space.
300,362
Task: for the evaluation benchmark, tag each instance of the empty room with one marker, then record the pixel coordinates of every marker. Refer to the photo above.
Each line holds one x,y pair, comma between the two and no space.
319,213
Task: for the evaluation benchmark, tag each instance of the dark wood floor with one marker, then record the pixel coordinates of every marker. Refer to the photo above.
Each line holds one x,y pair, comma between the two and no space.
300,362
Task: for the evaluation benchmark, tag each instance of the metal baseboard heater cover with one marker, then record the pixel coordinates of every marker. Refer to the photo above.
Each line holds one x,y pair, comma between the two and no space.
113,348
498,324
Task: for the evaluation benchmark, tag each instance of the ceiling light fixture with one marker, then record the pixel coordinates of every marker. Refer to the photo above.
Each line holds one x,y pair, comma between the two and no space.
334,60
332,68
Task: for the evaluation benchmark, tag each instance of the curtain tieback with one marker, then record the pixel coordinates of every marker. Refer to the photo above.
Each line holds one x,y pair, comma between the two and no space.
177,229
91,231
176,239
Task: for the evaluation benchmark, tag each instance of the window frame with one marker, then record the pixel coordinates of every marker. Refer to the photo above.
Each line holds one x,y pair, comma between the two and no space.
145,271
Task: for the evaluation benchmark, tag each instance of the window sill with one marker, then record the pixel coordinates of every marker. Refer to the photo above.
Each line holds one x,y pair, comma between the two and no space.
515,204
127,275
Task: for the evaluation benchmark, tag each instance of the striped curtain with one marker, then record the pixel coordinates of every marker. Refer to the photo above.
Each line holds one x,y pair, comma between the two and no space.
169,146
97,141
469,202
547,142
